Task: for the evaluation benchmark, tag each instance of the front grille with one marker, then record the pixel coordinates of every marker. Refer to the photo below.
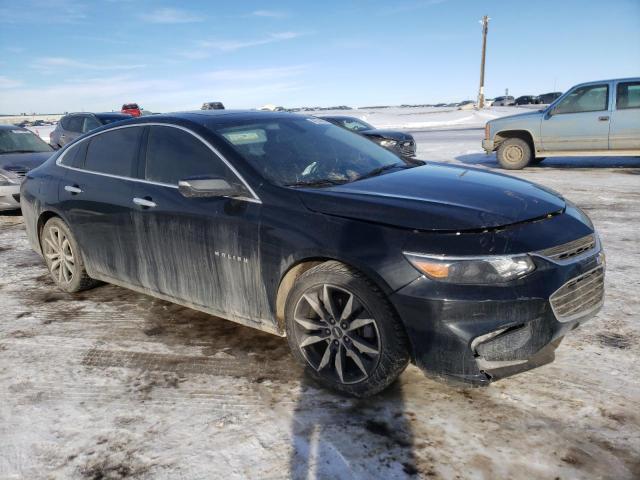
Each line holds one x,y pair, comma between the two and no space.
571,249
407,148
19,171
580,296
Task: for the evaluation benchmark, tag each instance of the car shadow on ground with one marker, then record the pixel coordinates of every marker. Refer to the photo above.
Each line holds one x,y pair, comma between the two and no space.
490,161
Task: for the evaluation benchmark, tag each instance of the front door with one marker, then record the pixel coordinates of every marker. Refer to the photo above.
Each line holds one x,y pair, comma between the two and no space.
625,118
96,196
203,252
580,121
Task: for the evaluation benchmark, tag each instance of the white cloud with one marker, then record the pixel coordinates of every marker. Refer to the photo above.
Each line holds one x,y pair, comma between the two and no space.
269,14
6,82
233,45
171,15
49,64
243,75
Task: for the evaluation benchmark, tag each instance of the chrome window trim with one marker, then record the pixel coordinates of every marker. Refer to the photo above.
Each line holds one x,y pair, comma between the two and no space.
254,198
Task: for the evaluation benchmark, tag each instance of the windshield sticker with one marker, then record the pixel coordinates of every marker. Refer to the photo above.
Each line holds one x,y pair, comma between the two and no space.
246,137
20,131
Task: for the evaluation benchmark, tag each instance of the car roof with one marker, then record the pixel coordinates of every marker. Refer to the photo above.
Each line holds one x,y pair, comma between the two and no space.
595,82
341,117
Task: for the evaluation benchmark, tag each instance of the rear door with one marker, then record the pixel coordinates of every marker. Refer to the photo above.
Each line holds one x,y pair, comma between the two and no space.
625,118
204,252
580,121
96,197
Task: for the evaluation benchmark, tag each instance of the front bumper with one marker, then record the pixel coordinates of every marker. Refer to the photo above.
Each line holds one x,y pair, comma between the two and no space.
487,145
9,197
476,334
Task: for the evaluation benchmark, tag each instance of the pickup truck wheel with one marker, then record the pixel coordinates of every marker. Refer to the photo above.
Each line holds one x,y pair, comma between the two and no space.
63,257
514,154
343,330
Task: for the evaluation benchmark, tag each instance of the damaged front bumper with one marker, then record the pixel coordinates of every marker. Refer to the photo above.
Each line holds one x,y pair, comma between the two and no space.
479,333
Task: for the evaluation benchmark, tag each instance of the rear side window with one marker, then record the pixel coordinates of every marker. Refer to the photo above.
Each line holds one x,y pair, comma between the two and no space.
90,123
74,124
590,98
74,156
628,95
173,155
114,151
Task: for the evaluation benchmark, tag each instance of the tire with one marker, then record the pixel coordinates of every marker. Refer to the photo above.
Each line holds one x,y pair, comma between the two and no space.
64,258
343,330
536,160
514,154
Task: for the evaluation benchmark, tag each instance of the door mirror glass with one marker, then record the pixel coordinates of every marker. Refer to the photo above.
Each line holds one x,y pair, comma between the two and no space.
210,187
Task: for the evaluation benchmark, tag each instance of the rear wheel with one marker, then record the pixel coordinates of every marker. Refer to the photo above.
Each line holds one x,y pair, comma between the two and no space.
343,330
63,257
514,154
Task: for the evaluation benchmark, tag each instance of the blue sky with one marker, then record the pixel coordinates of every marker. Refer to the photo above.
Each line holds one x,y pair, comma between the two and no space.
67,55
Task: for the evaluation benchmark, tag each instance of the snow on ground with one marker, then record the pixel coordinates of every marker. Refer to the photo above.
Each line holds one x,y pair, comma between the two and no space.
43,132
112,384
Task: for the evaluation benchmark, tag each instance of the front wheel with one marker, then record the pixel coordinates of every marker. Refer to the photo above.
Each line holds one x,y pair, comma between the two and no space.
63,257
341,327
514,154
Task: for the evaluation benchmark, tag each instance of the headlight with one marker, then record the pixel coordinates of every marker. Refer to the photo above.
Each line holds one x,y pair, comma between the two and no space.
473,270
388,143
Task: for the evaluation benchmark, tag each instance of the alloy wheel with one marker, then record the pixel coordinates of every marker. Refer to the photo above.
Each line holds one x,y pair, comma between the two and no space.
59,255
336,334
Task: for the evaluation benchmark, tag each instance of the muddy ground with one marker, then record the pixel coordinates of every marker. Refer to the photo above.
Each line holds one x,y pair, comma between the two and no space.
110,384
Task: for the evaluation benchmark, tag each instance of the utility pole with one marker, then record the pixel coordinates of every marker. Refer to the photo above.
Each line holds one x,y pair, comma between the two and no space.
485,29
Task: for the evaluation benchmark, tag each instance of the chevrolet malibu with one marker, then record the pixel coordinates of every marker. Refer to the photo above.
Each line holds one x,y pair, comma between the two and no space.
297,227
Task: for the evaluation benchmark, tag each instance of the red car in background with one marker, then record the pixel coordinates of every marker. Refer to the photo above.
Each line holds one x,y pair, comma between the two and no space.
132,109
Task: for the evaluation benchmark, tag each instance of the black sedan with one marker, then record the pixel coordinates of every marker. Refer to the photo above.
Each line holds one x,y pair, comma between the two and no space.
20,151
291,225
400,143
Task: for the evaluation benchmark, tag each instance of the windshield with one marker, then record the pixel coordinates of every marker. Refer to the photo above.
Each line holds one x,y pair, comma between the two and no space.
116,117
19,140
305,150
354,124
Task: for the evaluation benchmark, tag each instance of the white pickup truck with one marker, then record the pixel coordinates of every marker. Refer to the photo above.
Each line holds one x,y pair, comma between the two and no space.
591,119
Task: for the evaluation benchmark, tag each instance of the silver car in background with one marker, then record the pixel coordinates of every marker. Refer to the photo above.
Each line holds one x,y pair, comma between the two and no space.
72,125
592,119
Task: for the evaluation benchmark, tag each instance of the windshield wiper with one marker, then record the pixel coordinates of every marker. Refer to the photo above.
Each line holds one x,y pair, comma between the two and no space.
377,171
323,182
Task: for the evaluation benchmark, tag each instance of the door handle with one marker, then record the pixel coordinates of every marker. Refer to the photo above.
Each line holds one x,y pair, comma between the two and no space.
144,202
603,118
73,189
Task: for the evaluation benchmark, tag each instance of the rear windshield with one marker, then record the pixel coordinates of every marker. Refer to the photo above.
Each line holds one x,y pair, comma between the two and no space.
130,106
20,140
291,150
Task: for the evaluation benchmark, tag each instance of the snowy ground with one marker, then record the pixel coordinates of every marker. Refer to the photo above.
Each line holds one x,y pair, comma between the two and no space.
112,384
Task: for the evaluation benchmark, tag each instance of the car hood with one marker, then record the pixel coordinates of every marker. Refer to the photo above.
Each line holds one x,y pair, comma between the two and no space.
437,197
392,134
26,161
533,113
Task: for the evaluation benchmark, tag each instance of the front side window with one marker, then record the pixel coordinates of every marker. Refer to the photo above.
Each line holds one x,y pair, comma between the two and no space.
590,98
174,155
114,151
628,95
301,150
89,123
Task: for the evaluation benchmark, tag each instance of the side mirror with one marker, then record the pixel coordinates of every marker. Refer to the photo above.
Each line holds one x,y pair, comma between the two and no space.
210,187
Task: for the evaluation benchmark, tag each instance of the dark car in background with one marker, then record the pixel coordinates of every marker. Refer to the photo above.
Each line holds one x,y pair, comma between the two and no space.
547,98
212,106
73,125
294,226
20,151
504,101
400,143
527,100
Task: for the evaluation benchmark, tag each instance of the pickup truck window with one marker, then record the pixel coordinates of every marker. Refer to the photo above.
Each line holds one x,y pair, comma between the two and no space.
628,95
590,98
